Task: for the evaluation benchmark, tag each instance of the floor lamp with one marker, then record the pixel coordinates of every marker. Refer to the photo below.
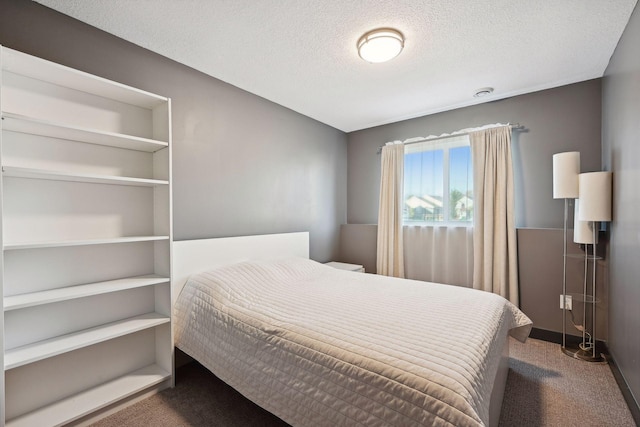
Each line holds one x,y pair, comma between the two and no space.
595,206
583,234
566,168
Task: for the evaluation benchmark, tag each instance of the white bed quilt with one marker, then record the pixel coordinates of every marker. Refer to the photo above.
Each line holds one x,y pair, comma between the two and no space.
318,346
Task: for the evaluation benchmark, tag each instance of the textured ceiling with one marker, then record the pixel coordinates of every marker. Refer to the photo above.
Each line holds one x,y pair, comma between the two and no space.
301,53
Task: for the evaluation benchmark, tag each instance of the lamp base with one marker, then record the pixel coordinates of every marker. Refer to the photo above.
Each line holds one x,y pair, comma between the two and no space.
586,355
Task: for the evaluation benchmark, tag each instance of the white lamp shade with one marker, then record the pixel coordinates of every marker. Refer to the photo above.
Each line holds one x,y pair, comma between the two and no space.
566,168
595,196
582,230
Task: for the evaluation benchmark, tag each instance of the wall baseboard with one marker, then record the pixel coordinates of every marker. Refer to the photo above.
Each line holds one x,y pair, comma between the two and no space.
545,335
556,337
633,405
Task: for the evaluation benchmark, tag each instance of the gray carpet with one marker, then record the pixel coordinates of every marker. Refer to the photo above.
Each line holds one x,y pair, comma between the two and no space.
544,388
547,388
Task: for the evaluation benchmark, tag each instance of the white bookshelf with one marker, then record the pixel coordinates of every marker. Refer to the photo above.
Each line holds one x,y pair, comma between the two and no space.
86,242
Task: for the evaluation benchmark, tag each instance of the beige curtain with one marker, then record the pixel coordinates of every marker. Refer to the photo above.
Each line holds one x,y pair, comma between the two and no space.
494,234
439,254
389,253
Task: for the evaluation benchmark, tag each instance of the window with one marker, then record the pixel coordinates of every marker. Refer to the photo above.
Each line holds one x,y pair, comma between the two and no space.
438,181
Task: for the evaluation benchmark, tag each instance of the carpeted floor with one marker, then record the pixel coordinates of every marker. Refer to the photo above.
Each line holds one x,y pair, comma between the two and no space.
547,388
544,388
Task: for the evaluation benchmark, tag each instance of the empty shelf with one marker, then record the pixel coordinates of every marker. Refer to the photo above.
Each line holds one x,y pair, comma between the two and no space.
62,243
32,299
34,126
47,71
52,347
79,405
19,172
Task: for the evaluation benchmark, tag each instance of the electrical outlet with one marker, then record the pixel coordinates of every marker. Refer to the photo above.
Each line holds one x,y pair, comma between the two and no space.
567,300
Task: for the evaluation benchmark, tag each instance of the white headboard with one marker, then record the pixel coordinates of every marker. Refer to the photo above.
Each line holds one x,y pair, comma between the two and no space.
194,256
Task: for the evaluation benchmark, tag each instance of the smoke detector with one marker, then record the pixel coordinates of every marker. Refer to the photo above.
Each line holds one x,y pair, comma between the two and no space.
483,92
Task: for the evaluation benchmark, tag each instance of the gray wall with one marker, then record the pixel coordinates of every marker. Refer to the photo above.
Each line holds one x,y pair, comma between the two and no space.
540,269
241,164
621,154
358,245
562,119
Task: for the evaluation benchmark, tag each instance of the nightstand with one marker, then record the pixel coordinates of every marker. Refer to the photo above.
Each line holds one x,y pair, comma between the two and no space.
344,266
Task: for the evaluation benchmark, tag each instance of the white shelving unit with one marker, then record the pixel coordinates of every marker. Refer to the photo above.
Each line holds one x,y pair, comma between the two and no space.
86,236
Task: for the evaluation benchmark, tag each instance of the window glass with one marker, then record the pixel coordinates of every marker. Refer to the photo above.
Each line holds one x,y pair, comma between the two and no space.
460,184
438,182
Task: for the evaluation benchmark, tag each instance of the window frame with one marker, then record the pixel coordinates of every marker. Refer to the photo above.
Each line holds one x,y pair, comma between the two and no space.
445,144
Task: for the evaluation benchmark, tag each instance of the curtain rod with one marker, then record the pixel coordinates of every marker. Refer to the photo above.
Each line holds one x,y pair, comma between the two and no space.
409,141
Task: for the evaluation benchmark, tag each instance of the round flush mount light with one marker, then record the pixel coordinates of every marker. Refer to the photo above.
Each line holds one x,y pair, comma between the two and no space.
380,45
483,92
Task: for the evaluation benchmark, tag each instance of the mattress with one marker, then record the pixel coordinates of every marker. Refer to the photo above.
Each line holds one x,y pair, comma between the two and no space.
318,346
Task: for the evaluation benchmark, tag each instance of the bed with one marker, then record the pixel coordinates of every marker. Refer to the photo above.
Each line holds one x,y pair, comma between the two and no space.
318,346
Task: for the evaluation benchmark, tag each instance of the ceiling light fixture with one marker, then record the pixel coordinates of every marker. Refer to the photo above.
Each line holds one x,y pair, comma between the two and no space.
483,92
380,45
